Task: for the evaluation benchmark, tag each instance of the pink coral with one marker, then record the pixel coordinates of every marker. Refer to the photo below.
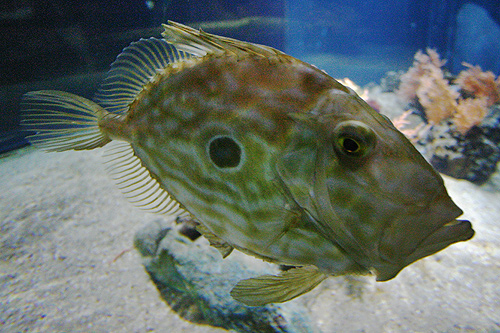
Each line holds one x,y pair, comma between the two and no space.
422,66
436,96
470,112
401,123
425,81
480,84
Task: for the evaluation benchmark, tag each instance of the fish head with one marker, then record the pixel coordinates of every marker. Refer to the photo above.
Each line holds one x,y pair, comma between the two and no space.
366,187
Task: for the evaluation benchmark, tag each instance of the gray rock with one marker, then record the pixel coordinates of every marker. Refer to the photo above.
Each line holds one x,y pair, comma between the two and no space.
473,156
195,281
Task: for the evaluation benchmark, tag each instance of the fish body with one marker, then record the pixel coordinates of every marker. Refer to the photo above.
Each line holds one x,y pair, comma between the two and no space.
271,155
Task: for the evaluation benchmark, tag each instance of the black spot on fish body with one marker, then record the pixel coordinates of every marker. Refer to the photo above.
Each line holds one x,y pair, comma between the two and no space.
225,152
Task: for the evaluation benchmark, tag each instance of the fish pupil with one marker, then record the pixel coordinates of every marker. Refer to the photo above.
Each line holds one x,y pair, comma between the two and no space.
350,145
225,152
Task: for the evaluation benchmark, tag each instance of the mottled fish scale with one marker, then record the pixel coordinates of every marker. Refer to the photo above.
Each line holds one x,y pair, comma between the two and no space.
271,155
186,92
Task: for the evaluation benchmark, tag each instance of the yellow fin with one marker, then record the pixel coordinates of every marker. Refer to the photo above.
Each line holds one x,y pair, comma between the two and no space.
137,65
277,288
224,248
136,182
62,121
200,43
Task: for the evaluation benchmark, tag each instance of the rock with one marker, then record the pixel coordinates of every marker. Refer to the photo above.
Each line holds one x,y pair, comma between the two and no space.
195,281
493,183
473,156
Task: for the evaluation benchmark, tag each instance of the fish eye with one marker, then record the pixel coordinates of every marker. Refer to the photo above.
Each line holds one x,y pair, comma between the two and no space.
224,152
350,145
354,138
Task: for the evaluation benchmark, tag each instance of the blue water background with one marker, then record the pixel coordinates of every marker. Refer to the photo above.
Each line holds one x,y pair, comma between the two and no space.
69,44
363,40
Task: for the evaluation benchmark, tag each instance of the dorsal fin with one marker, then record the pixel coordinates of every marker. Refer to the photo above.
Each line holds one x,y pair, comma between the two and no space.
136,182
200,43
132,69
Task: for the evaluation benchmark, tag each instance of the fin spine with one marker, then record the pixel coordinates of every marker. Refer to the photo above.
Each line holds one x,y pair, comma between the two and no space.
200,43
60,121
137,65
136,182
279,288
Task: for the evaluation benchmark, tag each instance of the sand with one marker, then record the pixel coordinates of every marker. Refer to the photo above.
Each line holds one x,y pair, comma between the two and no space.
67,262
67,257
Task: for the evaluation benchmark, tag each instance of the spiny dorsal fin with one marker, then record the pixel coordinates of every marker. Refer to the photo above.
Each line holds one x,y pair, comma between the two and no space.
133,68
136,182
224,248
200,43
277,288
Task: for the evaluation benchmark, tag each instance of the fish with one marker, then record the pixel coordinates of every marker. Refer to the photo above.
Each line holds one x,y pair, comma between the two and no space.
269,155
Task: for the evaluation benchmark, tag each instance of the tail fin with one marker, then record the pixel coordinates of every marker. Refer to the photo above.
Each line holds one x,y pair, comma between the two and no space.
62,121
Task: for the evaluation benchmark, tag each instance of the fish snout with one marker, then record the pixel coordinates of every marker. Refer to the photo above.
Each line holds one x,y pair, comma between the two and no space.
420,232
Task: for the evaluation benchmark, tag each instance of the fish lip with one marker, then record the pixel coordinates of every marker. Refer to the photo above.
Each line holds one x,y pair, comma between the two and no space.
450,232
454,222
456,225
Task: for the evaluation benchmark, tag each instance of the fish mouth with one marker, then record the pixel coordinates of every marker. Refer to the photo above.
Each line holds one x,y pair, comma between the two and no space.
449,233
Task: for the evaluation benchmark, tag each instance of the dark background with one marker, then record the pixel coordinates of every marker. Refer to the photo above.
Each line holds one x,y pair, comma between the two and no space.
70,44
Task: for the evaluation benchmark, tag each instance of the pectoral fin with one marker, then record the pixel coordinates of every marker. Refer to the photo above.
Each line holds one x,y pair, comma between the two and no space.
277,288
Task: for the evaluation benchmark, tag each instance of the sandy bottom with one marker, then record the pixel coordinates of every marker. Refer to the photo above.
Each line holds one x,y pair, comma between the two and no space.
67,262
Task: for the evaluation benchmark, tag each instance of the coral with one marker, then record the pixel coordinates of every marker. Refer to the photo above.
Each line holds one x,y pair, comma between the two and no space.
480,84
436,96
470,112
401,123
422,66
362,92
426,83
462,137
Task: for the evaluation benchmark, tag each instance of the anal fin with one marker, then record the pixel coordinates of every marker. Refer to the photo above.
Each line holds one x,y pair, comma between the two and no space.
277,288
139,186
